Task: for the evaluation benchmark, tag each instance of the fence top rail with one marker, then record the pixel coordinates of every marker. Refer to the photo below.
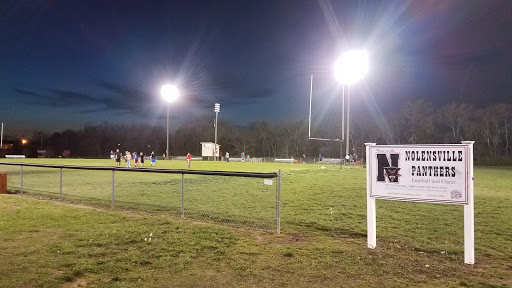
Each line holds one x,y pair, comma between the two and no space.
168,171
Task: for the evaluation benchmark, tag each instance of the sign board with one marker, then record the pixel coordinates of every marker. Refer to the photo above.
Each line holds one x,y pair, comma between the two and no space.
441,173
421,173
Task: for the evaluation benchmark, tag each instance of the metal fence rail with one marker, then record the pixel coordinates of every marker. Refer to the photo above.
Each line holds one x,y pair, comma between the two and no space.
201,192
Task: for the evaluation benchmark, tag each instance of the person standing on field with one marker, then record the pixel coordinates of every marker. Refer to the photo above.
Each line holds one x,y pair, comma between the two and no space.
189,157
141,159
135,158
227,157
153,159
128,158
242,156
118,158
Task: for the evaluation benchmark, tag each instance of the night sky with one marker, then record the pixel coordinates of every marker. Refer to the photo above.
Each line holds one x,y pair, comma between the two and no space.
64,64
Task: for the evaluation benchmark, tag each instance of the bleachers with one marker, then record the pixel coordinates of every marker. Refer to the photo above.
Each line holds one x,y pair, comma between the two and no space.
14,156
329,161
284,160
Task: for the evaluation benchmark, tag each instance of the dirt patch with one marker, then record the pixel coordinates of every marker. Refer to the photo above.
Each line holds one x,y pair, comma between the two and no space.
80,282
279,239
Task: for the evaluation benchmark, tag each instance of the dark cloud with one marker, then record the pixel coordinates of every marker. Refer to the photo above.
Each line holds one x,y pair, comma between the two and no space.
69,98
120,98
56,98
256,95
87,111
125,98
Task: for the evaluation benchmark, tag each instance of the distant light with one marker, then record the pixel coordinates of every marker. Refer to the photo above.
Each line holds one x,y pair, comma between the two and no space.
351,67
24,141
169,92
217,107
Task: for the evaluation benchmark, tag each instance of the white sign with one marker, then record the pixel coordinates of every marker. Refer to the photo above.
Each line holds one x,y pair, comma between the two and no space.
267,182
422,173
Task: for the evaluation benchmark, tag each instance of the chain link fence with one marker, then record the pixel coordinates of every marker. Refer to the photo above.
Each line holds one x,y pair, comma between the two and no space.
231,198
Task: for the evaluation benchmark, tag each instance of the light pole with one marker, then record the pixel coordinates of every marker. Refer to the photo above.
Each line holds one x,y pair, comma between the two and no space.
349,69
170,93
217,110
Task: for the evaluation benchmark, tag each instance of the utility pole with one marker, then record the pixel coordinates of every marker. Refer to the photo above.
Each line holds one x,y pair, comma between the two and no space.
217,110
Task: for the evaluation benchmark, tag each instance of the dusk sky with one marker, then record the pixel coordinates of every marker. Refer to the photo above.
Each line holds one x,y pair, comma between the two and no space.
67,63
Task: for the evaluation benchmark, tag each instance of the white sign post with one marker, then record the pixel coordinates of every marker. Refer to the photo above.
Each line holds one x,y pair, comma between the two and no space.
441,173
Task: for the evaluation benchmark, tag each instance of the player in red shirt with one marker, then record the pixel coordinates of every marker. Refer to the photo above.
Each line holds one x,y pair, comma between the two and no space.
189,157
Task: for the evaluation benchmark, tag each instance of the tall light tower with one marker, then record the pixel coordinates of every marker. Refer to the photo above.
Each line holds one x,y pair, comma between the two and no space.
349,69
170,93
217,110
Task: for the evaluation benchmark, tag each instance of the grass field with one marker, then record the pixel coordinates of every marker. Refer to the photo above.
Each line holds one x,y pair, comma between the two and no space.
323,241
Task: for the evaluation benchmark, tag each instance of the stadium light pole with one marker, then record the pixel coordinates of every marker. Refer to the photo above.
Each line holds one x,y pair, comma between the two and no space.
217,110
170,93
349,69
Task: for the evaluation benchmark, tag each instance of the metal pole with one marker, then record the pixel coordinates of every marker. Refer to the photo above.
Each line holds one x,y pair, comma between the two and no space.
342,126
348,118
310,98
2,136
215,147
167,150
21,178
112,206
60,190
182,196
279,202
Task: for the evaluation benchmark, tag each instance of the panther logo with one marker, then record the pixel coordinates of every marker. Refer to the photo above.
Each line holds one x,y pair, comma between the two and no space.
392,173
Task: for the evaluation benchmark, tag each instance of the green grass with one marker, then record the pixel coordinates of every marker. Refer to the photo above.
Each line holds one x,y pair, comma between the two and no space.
58,244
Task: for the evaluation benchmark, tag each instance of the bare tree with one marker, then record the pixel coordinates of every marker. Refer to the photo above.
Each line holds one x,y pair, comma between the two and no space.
455,116
420,121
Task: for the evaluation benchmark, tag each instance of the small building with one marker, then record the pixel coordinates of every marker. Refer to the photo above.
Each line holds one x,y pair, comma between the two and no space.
208,149
41,153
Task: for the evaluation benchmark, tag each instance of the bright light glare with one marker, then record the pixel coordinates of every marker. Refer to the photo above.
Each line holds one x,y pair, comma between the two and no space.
169,92
351,67
24,141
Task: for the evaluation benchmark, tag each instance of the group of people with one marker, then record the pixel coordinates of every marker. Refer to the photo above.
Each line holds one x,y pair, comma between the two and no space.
351,159
138,159
242,157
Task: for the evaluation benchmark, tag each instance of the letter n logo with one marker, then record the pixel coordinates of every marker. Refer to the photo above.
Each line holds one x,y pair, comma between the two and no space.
385,168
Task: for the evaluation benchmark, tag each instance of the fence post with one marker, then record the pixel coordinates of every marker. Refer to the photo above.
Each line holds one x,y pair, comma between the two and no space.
60,190
112,206
279,202
21,178
182,196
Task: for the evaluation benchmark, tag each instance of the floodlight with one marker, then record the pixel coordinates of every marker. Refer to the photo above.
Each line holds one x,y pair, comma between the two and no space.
351,67
24,141
217,107
169,92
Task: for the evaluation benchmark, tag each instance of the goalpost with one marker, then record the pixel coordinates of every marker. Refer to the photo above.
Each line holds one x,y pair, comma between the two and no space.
342,123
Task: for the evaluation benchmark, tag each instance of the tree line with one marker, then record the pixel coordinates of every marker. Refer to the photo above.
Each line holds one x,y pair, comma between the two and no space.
415,122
